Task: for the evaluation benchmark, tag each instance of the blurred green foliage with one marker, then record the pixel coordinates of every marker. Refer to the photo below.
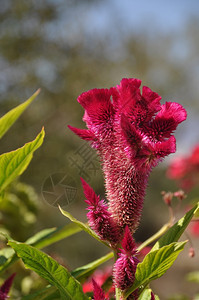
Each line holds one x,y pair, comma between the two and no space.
19,209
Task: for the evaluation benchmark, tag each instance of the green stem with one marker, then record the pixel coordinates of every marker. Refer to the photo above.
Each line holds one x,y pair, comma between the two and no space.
117,291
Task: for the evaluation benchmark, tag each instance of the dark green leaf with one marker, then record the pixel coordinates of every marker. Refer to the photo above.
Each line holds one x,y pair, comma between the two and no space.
50,270
40,240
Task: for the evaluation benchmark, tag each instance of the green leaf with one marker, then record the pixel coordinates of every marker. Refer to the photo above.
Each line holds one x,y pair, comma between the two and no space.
7,257
48,293
14,163
146,295
82,225
40,240
50,270
155,264
8,119
50,236
175,232
85,270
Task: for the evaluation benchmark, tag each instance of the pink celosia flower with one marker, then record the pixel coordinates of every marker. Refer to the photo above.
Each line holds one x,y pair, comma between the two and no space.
194,228
5,288
100,277
132,133
99,218
185,169
125,266
178,168
97,291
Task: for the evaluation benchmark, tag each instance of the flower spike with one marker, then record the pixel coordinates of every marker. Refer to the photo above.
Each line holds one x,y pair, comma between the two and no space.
98,293
99,218
5,288
125,266
132,133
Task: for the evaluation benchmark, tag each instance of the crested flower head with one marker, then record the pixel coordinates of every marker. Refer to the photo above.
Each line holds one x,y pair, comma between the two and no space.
132,132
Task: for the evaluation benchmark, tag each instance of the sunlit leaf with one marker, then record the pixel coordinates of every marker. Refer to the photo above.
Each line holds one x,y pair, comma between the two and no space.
50,270
7,258
175,232
50,236
155,264
145,295
8,119
14,163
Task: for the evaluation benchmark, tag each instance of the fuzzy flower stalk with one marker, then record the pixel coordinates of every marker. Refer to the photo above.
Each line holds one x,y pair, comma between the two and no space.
132,132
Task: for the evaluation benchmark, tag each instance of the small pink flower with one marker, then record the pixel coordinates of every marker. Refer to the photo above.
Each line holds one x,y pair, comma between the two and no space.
195,156
178,168
97,291
125,266
132,132
6,286
185,169
99,218
100,277
194,228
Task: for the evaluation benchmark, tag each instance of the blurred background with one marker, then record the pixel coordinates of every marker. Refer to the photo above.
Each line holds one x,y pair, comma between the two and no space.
66,47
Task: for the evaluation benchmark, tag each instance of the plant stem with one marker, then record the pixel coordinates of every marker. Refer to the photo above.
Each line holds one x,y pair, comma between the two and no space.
117,291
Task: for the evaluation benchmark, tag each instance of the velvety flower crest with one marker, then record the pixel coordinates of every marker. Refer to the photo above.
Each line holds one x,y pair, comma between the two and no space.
132,132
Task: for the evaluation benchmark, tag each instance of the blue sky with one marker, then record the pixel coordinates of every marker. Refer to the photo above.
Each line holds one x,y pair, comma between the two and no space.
167,15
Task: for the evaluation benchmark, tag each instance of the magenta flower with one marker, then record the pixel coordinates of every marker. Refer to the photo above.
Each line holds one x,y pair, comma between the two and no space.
97,291
99,218
125,266
6,286
132,132
185,169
